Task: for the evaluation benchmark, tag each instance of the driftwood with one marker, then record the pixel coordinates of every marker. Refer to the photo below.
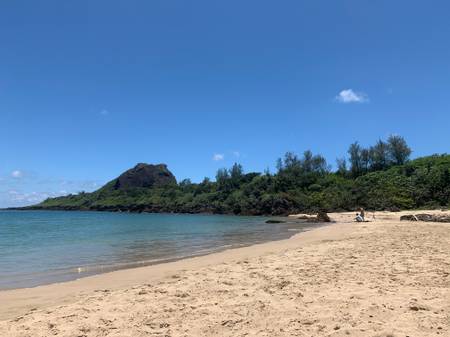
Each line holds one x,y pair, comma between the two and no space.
306,217
425,217
321,217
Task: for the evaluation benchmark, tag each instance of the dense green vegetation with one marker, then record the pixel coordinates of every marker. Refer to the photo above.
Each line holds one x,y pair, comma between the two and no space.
378,178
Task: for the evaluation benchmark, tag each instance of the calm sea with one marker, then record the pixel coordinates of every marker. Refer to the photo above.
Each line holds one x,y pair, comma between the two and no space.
39,247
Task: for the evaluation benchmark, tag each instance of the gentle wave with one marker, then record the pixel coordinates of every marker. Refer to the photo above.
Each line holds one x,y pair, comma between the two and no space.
39,247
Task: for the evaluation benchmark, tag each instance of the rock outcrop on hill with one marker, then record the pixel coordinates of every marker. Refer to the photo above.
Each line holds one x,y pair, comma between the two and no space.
145,176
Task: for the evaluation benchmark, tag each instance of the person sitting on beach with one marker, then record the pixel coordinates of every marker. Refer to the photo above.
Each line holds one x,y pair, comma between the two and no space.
359,218
362,213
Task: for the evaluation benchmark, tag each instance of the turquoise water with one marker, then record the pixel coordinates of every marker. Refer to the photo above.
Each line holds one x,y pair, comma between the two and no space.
39,247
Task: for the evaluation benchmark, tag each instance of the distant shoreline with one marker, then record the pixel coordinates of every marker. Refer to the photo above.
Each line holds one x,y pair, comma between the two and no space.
125,210
27,208
285,215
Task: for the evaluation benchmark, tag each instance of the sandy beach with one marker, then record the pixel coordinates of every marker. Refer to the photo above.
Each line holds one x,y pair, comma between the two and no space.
381,278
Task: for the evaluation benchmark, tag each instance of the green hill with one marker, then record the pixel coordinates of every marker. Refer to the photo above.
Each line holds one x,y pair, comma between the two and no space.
300,185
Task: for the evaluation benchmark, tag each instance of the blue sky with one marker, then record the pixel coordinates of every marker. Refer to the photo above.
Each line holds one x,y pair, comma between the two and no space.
90,88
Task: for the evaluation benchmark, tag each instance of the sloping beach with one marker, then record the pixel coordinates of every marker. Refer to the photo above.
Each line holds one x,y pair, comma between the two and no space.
380,278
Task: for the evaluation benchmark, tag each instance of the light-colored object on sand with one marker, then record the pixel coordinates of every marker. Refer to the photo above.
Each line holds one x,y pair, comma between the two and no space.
305,217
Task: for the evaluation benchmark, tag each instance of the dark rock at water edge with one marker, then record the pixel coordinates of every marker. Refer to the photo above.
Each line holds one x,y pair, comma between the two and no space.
323,217
275,221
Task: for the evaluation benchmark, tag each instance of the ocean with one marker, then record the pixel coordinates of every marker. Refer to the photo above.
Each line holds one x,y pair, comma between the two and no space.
41,247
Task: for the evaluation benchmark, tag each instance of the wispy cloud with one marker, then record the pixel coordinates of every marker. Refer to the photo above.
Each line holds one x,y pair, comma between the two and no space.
104,112
350,96
24,198
22,188
237,154
218,156
17,174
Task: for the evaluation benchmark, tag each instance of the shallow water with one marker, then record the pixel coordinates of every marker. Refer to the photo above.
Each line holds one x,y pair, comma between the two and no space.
40,247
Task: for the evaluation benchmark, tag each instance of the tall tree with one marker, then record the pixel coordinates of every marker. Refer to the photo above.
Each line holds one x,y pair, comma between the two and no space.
185,182
341,164
319,164
307,161
236,171
279,165
222,176
399,151
354,152
291,161
379,156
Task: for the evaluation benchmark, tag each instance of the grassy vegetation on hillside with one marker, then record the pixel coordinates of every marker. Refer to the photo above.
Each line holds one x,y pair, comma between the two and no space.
378,178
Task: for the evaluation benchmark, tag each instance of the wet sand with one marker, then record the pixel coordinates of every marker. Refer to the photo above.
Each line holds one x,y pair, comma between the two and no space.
381,278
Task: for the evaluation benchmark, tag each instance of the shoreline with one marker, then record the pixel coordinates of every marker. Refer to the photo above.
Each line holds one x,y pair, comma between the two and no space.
380,278
63,275
14,301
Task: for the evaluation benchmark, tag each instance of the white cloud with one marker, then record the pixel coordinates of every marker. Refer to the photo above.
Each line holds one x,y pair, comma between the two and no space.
26,198
218,156
350,96
32,197
22,188
17,174
104,112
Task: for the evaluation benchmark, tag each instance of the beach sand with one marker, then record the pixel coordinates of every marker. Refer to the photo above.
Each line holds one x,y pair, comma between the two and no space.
381,278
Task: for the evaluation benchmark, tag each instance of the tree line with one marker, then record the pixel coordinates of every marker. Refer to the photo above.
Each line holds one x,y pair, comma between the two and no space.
381,156
377,177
